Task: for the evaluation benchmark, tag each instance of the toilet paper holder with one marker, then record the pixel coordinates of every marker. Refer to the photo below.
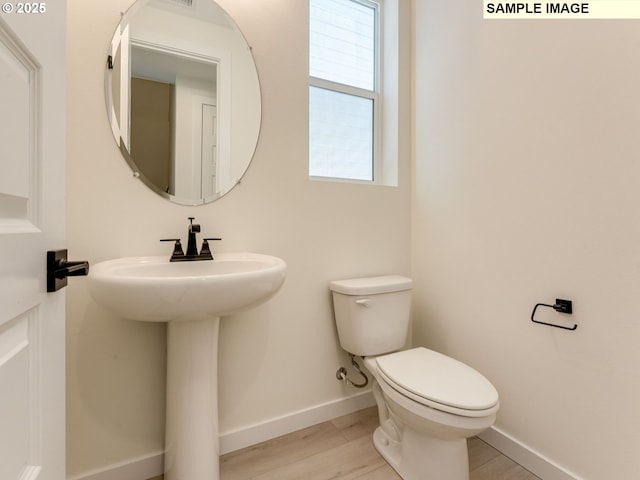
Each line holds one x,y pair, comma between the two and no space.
561,306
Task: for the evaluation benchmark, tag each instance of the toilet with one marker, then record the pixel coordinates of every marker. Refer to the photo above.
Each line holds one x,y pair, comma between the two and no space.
428,403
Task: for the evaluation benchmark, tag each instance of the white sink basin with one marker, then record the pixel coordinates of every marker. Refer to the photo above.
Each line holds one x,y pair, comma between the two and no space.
157,290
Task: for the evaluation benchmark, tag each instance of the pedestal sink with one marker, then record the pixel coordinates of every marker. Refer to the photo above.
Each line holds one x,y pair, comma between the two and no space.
191,297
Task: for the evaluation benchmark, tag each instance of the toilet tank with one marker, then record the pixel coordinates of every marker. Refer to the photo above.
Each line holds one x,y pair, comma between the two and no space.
372,314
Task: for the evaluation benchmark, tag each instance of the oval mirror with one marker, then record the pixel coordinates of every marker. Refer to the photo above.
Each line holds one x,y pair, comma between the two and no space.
183,98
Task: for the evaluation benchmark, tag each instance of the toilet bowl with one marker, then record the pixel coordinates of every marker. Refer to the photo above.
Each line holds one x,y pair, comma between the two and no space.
428,403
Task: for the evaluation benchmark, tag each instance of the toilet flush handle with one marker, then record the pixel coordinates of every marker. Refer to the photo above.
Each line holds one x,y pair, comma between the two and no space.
365,302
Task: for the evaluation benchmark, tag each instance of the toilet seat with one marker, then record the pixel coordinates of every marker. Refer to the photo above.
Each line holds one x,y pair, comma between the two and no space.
439,382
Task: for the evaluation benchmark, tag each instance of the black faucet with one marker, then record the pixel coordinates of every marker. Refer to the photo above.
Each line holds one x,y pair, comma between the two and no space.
192,250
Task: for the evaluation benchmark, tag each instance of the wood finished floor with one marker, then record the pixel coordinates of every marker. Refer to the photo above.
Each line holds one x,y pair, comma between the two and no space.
343,449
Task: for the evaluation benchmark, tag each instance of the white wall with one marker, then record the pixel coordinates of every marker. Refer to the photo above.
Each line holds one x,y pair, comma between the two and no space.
526,190
277,359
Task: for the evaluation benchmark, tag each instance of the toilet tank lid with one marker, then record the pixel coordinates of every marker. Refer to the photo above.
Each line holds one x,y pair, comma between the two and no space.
371,285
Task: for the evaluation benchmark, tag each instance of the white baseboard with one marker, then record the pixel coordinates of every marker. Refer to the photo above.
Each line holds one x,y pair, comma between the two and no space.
140,468
260,432
533,461
152,465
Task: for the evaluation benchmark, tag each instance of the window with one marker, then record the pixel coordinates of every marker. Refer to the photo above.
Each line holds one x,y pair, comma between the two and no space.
344,73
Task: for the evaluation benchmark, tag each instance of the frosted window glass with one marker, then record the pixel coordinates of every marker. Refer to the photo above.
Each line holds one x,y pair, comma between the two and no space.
342,42
341,135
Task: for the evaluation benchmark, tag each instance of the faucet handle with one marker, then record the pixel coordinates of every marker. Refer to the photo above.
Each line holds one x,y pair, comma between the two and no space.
177,247
205,251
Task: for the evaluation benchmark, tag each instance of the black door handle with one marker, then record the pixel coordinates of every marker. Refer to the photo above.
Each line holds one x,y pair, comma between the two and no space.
59,268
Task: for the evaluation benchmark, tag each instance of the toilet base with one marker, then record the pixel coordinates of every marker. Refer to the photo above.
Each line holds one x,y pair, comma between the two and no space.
418,457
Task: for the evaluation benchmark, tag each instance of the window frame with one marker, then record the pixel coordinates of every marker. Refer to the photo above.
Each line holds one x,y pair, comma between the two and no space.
374,95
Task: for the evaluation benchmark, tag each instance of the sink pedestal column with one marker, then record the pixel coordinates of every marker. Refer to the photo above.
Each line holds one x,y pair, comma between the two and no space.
192,450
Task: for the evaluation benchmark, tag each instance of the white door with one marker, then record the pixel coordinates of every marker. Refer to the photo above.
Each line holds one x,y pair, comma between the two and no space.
32,173
120,88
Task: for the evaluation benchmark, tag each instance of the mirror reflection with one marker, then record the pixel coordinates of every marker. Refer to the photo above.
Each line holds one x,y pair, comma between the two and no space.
183,98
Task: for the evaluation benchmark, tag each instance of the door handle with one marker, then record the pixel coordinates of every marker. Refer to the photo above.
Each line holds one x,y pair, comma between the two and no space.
59,268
